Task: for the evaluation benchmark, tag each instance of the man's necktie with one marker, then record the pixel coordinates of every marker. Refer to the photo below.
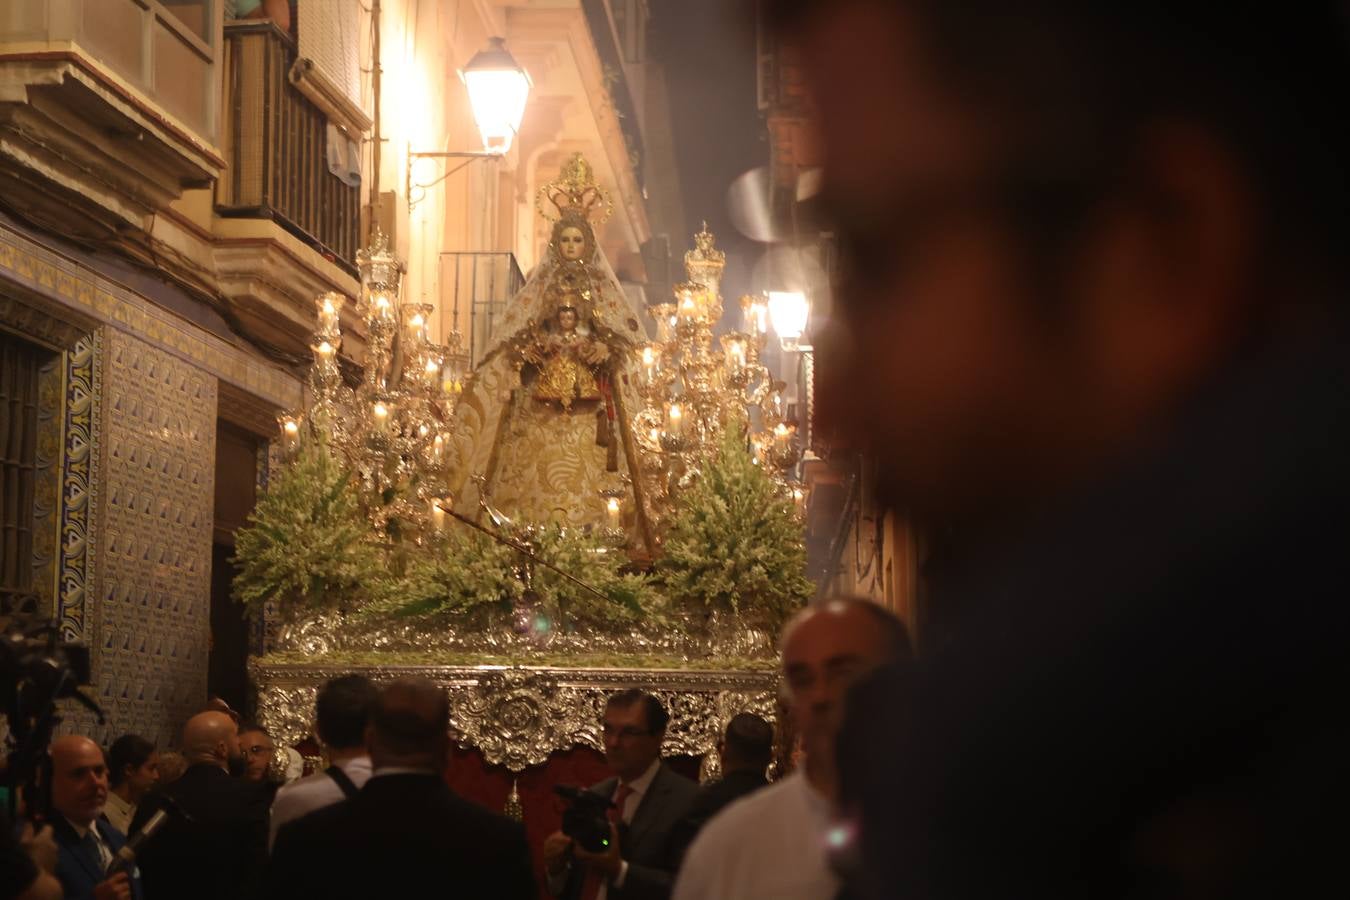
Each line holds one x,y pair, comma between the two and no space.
590,888
93,848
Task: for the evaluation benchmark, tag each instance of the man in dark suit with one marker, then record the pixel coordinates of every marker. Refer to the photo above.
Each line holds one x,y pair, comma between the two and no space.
745,752
648,800
87,843
405,834
218,847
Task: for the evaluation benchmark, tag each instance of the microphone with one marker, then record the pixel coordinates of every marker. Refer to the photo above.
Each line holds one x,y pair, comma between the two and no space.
125,860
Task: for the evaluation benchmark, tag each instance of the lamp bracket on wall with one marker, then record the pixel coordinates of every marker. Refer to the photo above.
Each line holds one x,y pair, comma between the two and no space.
469,156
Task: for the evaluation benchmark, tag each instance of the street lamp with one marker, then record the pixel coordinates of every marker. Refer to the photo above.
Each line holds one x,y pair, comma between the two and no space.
787,312
498,88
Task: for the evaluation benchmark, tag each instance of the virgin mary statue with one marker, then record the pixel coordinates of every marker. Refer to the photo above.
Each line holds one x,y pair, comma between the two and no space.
543,426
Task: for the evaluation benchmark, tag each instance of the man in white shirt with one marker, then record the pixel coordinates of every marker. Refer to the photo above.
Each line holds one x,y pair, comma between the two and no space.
774,843
342,711
648,799
133,769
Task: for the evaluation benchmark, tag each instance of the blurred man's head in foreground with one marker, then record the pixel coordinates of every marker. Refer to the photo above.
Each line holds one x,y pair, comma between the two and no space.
826,648
1059,220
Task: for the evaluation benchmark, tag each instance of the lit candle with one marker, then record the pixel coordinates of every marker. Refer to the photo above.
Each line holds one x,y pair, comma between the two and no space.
776,405
649,363
655,435
782,435
756,315
325,351
688,306
675,419
329,305
416,327
433,369
381,412
382,309
735,354
437,516
290,433
437,449
798,498
612,513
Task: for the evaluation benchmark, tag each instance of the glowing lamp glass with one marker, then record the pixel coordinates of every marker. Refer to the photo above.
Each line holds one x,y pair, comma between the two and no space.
788,311
498,89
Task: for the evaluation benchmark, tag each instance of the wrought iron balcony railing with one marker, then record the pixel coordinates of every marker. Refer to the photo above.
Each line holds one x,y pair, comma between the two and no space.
483,283
276,144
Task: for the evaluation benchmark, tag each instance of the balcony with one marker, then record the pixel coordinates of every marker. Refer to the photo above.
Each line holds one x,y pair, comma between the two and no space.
107,112
275,142
483,283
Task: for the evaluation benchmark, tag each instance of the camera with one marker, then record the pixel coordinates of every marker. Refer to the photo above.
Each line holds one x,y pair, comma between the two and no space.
586,818
36,672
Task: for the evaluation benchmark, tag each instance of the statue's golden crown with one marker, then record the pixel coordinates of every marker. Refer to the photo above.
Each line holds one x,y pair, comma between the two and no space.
574,193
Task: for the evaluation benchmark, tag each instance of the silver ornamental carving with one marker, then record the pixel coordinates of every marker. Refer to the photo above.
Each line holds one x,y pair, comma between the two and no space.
519,716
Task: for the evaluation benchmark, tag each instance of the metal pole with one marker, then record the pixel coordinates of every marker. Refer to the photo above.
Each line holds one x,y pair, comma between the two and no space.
376,138
523,551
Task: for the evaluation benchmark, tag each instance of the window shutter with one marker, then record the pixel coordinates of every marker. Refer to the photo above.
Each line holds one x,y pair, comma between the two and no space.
329,40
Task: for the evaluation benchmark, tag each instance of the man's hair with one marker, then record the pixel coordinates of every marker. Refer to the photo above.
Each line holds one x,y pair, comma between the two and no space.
1075,84
342,710
749,740
653,712
245,727
893,631
128,750
410,717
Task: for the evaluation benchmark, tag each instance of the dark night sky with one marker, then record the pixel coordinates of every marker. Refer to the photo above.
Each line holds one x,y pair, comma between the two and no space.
707,48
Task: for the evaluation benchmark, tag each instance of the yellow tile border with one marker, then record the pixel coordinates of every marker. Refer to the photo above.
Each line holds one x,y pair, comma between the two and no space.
46,272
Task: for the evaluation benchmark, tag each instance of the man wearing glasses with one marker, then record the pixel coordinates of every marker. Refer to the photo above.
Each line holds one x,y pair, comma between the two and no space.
258,749
648,800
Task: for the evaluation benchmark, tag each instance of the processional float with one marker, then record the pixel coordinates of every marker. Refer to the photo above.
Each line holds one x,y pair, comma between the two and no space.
572,445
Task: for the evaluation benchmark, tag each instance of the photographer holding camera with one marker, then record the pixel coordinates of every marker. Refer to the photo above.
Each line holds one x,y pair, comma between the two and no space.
643,802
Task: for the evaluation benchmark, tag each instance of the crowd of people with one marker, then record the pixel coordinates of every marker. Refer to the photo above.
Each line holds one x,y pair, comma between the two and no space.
380,820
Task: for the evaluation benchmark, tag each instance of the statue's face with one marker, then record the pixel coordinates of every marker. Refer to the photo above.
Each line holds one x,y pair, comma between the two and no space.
567,319
571,243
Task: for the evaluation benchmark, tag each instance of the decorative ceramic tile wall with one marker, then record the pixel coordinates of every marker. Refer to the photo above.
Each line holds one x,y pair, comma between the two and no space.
158,463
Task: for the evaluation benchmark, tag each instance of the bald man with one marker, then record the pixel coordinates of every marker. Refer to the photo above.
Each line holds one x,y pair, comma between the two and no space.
773,842
217,853
405,834
87,843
